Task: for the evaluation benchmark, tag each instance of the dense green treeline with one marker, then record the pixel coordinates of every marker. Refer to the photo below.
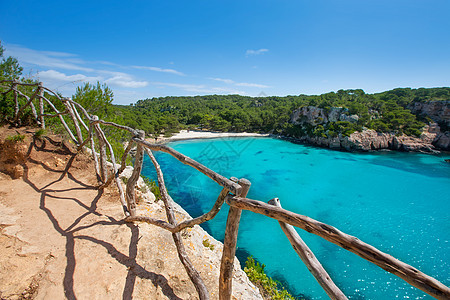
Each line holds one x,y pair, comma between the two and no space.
221,113
385,112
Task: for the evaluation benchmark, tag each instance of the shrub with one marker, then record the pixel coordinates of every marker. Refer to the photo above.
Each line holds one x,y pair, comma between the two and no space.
40,133
257,275
154,188
207,244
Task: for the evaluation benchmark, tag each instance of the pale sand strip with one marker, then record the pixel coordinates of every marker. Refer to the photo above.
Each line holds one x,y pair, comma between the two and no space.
191,135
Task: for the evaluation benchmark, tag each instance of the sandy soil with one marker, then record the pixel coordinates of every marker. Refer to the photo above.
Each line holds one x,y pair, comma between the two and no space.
61,237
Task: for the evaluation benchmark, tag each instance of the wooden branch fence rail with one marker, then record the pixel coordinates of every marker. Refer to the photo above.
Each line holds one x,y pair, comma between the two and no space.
234,193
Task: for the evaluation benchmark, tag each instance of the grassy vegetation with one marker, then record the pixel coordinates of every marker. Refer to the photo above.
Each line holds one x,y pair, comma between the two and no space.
270,287
15,138
40,133
153,187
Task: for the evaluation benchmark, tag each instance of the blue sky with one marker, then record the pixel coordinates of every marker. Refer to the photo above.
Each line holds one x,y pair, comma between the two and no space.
144,49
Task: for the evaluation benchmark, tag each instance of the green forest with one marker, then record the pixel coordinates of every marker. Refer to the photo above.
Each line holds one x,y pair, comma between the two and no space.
237,113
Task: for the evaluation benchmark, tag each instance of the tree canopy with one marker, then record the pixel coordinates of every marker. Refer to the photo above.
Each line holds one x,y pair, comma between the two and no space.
96,99
385,112
9,66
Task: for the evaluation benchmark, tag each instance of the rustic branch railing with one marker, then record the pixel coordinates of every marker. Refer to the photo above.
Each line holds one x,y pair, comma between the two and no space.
234,193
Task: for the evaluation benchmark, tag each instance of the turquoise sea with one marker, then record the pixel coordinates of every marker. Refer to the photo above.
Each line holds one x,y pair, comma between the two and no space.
397,202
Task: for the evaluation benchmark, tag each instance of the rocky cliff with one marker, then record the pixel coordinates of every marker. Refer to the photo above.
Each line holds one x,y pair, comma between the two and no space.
438,111
310,122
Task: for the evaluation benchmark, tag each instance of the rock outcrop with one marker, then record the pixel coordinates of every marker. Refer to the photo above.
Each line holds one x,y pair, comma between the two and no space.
367,139
13,155
438,111
316,116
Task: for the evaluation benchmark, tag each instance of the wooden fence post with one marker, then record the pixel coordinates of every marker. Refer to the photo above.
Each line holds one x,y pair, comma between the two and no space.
16,100
182,255
131,184
74,120
229,246
41,105
102,150
310,260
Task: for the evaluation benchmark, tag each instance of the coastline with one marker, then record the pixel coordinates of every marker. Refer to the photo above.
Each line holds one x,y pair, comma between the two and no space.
358,146
194,135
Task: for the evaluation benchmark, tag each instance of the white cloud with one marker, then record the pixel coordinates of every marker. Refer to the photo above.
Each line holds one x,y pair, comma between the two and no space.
252,85
68,61
186,87
125,80
246,84
228,81
203,89
58,54
171,71
49,59
58,76
256,52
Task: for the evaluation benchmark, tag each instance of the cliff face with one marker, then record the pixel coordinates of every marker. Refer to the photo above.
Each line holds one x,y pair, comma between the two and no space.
366,140
316,116
438,111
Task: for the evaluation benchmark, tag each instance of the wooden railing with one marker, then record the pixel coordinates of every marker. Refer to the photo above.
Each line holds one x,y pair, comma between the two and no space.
234,193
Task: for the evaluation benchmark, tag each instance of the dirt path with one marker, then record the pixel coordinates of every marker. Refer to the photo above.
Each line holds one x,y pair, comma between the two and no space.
61,237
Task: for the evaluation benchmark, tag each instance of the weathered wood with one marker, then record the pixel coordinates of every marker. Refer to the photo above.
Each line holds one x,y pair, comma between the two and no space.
385,261
20,83
229,246
7,91
188,223
310,260
16,100
131,184
61,119
41,105
124,156
34,112
115,174
122,166
221,180
56,115
86,114
191,271
80,146
102,152
94,152
160,223
207,216
133,131
74,120
75,110
29,103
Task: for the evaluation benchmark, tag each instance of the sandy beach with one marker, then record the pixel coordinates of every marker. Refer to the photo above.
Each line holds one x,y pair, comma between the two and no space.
192,134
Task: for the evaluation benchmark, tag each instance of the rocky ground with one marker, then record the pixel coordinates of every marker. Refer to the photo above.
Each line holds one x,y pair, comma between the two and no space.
61,237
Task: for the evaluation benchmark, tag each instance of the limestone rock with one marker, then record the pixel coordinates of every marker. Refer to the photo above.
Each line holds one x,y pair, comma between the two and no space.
442,141
367,139
438,111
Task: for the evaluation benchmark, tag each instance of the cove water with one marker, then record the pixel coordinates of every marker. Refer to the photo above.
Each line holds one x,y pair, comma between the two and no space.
397,202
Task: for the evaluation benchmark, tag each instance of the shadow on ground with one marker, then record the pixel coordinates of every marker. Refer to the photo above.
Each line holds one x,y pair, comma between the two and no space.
89,206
